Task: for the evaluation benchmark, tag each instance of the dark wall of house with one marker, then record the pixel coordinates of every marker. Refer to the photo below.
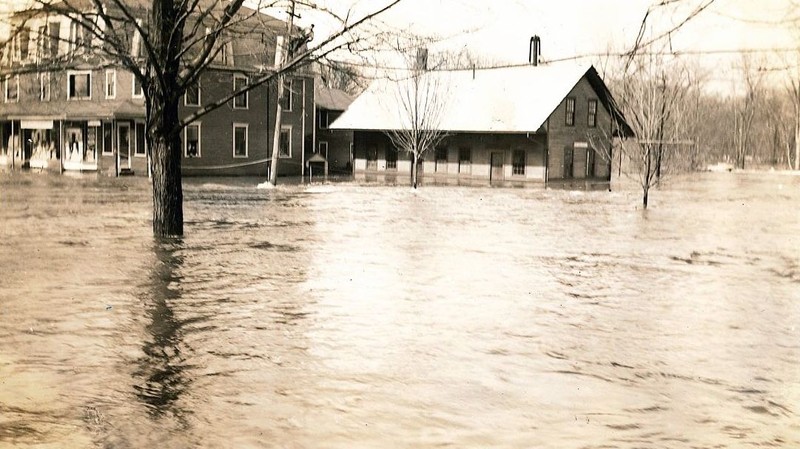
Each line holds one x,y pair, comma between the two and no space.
339,144
580,140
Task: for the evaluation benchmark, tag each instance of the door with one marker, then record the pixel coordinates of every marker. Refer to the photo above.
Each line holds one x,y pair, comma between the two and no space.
496,173
27,144
372,158
568,161
124,145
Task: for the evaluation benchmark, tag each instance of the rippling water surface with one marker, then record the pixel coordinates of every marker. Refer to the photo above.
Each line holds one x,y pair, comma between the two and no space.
349,316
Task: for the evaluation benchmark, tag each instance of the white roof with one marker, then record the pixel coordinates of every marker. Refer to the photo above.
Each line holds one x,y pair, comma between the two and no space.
511,99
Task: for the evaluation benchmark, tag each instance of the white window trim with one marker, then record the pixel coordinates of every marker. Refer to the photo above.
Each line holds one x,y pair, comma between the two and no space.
199,97
199,140
71,73
324,113
319,148
136,139
246,94
133,89
110,149
289,129
113,74
246,127
291,95
44,79
16,80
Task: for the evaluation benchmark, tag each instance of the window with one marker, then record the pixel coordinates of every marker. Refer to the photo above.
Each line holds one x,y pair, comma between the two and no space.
108,139
75,36
464,160
44,86
323,149
12,89
569,118
24,39
42,43
239,101
240,139
80,85
192,97
518,162
54,38
592,120
285,142
111,83
323,119
191,140
286,99
137,88
441,159
391,157
141,149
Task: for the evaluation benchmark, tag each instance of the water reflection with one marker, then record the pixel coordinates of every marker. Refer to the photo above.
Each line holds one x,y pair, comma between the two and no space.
160,376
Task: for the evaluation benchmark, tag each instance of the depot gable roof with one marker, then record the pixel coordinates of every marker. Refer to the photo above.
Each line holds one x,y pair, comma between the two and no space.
503,100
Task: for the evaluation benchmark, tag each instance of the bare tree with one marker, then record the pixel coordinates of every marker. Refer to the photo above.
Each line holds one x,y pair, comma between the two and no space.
167,45
649,98
793,91
745,111
421,100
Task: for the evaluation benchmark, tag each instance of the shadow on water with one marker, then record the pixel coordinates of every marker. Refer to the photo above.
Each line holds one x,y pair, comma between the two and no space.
160,378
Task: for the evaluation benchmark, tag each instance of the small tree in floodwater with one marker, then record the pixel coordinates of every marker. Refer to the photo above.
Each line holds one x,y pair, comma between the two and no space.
167,45
651,101
420,106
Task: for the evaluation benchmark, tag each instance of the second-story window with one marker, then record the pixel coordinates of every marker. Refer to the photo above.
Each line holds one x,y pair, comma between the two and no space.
42,43
79,85
323,119
239,101
569,118
192,97
44,86
12,89
137,88
24,39
592,119
287,99
111,84
75,36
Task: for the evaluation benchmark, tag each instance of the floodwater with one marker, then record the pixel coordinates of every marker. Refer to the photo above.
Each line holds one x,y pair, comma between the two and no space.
347,316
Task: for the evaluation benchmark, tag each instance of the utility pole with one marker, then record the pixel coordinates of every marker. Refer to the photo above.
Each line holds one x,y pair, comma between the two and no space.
284,57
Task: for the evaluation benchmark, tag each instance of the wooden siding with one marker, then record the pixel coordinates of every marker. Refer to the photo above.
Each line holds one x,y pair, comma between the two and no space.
561,136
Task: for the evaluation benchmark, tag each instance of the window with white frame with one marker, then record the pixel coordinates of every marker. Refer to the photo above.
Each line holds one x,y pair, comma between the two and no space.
464,160
592,118
240,139
285,142
137,88
44,86
288,96
569,116
108,138
240,101
111,84
79,85
191,140
323,119
322,149
141,141
12,88
391,157
192,96
42,43
24,40
75,36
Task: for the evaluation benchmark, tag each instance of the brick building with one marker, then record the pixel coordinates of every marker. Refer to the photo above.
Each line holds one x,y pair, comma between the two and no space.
91,115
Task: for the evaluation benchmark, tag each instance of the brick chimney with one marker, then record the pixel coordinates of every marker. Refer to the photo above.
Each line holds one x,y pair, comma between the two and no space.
534,51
